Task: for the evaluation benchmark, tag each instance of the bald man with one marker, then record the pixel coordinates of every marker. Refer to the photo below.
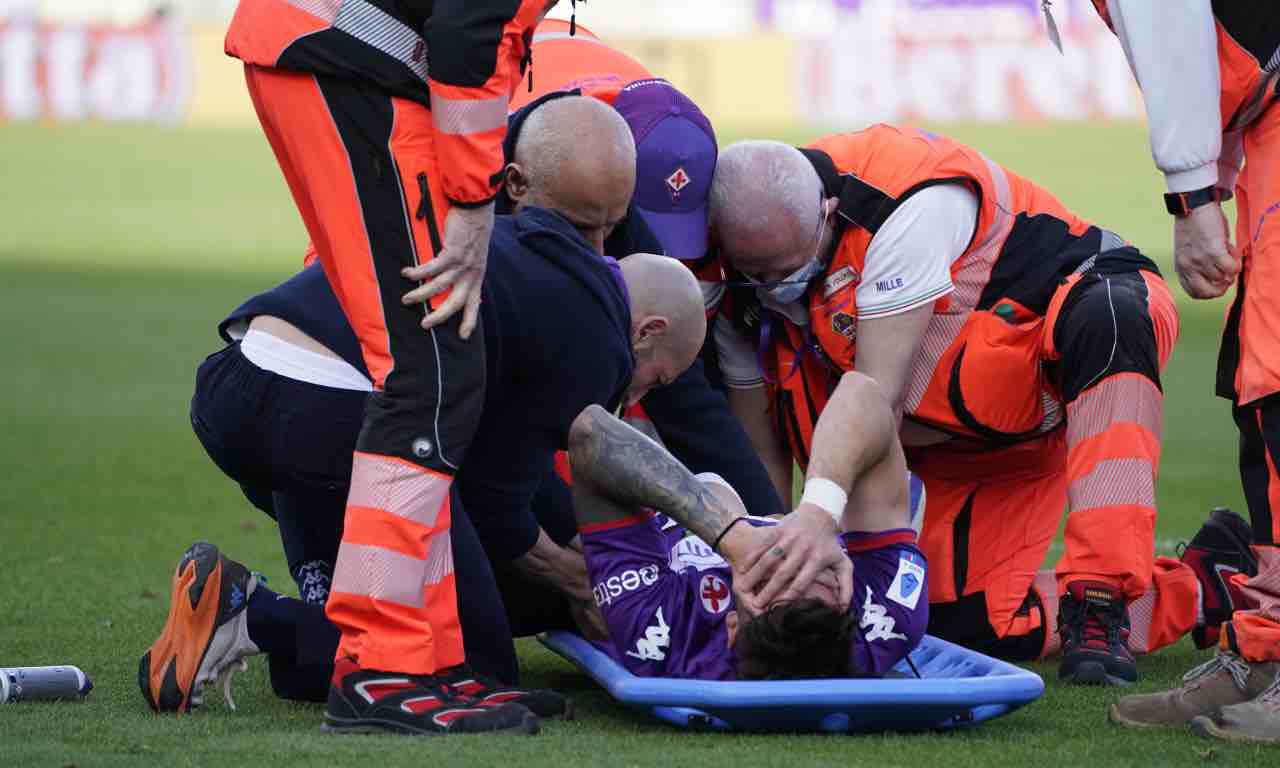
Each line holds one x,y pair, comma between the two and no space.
564,327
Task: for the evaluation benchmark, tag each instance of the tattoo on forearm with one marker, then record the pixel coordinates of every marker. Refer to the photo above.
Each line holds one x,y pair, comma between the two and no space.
633,471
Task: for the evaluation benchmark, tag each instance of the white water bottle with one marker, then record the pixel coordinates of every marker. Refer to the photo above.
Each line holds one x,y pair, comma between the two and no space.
43,684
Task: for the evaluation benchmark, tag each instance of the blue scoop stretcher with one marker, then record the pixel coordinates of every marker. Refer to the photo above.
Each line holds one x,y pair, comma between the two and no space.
957,687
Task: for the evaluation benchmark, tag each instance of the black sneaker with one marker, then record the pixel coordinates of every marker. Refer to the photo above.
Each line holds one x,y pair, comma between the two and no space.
369,701
205,637
486,690
1219,549
1094,624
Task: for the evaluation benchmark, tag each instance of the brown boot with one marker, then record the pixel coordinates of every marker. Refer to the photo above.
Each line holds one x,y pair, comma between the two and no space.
1257,720
1224,680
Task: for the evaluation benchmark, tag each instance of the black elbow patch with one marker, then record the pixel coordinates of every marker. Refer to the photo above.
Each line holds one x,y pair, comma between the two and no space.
463,44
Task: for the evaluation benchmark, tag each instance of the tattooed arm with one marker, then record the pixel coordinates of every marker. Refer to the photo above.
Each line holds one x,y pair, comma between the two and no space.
617,471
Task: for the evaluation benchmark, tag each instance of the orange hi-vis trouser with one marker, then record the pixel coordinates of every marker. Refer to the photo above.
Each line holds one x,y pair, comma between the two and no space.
1255,633
360,165
1249,374
993,513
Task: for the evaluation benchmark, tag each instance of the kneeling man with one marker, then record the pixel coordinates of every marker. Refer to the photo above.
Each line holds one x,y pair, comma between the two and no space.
663,547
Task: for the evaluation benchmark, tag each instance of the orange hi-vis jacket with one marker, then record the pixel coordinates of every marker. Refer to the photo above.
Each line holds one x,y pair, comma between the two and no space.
980,370
476,50
582,61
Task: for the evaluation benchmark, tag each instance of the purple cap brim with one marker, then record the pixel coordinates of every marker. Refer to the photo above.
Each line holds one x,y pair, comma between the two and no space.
682,234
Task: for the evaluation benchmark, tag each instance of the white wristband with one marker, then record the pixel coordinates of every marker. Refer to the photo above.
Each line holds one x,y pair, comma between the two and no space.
825,495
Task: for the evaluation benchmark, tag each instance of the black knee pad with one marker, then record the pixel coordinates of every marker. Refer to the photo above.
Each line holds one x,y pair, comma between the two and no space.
1105,328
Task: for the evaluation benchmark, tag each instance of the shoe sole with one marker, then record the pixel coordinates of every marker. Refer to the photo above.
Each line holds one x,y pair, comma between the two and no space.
529,726
183,652
1093,673
1205,727
1115,716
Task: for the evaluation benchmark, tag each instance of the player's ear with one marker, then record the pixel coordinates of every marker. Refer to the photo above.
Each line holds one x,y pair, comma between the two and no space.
731,627
515,180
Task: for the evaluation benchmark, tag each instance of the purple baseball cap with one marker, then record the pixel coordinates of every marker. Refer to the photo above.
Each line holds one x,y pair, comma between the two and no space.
675,159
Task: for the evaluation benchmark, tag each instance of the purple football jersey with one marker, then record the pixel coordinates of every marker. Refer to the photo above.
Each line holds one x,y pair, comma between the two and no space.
664,595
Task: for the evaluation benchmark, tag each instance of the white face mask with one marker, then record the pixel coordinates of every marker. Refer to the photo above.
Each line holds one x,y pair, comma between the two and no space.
792,288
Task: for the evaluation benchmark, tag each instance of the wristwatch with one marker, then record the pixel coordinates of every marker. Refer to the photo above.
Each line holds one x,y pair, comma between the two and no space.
1183,203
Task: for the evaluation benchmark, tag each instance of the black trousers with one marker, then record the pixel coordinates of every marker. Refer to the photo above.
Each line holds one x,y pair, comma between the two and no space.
288,445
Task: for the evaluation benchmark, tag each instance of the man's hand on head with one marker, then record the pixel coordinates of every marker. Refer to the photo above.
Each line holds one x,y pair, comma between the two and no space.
1206,263
782,562
457,268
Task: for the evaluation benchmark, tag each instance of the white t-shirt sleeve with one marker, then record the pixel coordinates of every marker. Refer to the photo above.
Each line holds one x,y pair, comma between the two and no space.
738,361
1172,47
908,263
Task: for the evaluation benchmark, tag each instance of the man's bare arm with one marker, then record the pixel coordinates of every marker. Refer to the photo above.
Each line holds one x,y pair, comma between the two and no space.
855,446
622,471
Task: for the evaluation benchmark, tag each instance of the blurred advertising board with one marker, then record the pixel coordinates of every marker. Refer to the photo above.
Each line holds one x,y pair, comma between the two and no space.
979,60
67,70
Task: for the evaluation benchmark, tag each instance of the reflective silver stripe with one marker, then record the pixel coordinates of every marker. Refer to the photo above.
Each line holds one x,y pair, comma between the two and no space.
969,280
544,36
1127,398
1114,482
380,574
323,9
462,117
381,482
1110,241
373,26
439,558
942,330
975,269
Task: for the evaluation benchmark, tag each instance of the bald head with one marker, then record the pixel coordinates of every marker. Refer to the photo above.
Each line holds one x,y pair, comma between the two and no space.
668,324
764,202
575,156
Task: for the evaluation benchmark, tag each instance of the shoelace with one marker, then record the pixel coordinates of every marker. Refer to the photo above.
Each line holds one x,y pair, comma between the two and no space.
224,680
1271,696
1238,667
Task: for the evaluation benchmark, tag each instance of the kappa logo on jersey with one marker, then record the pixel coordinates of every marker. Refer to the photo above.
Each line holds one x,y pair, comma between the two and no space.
908,582
693,552
714,593
677,181
656,638
839,279
876,619
627,581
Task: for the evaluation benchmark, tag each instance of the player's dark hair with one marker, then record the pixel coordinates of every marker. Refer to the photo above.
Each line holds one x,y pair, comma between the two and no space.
794,640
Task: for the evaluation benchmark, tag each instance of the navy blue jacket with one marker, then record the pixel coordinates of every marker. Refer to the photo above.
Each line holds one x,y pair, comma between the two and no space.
544,351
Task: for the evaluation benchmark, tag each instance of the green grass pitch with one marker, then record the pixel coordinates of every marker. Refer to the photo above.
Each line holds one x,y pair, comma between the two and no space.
120,249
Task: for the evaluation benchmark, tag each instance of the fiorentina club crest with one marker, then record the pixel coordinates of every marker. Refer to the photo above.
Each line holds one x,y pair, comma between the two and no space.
714,592
677,181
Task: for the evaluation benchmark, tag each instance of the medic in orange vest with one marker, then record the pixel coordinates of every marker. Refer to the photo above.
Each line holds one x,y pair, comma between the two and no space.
1209,74
1023,347
394,168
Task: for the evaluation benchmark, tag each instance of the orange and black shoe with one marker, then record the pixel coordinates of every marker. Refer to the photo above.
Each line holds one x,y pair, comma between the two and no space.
485,690
370,701
206,636
1094,624
1219,549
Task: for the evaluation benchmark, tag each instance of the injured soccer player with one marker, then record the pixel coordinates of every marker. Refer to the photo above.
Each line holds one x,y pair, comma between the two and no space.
663,547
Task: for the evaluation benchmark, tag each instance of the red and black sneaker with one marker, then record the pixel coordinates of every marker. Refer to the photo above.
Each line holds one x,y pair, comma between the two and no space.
487,691
369,701
1094,624
1219,549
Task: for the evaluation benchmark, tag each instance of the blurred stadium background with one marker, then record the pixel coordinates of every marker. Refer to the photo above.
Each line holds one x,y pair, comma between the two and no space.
141,203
